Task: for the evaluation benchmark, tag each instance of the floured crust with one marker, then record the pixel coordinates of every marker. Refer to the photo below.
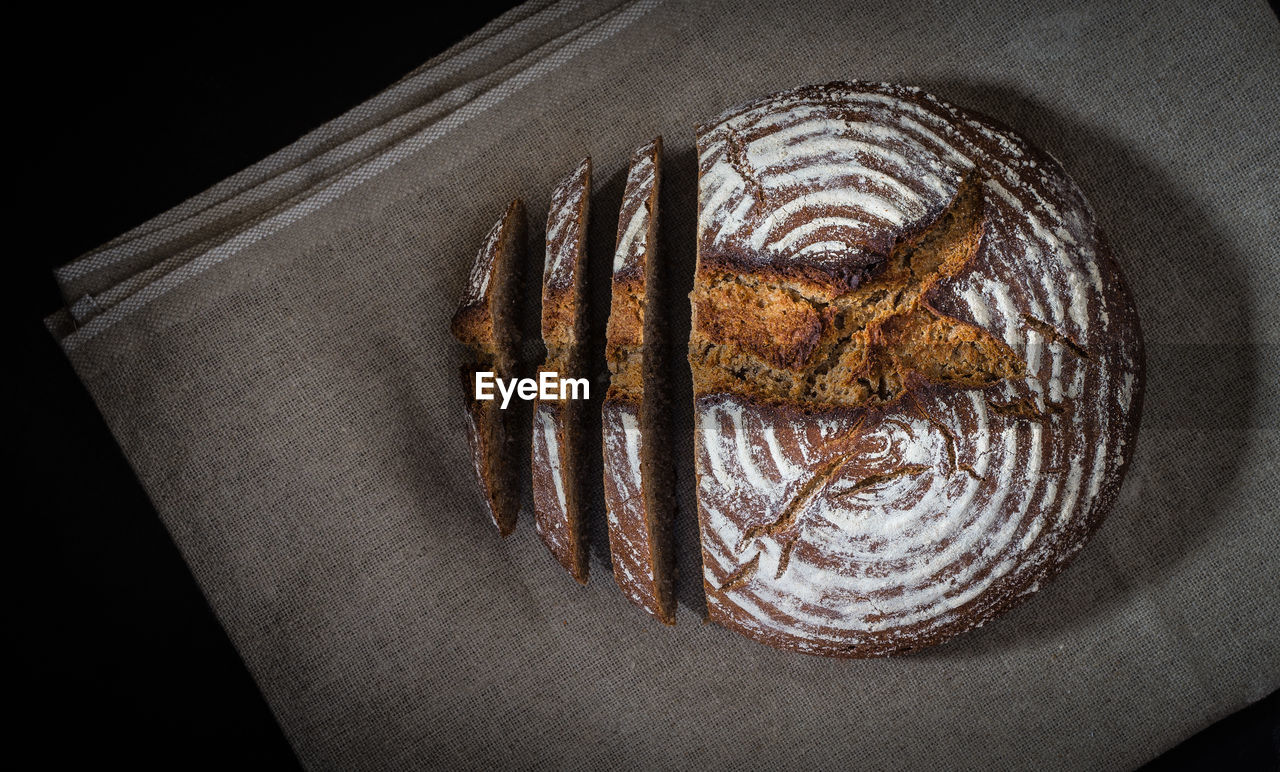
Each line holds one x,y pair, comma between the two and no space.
557,425
977,419
637,476
486,322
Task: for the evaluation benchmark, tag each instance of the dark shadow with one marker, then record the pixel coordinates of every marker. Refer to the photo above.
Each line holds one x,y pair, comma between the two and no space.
1197,409
606,200
679,204
531,354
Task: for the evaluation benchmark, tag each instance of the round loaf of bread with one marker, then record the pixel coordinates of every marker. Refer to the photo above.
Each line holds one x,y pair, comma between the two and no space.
918,371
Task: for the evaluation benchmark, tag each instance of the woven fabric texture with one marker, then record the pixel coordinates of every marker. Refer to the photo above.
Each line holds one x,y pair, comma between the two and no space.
273,357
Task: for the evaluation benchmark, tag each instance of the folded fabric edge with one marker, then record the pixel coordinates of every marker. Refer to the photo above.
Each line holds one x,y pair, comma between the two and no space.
93,275
87,298
541,62
60,324
504,35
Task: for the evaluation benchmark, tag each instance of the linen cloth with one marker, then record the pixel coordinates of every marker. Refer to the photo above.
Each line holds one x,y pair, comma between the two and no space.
273,358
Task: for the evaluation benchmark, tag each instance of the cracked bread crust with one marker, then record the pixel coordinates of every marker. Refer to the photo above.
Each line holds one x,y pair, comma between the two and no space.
486,322
917,369
557,424
637,477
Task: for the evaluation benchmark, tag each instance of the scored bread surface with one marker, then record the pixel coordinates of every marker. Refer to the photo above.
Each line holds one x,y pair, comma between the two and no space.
557,424
637,474
917,369
486,322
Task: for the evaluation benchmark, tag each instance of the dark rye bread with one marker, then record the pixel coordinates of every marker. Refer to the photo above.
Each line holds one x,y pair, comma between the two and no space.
917,369
557,424
637,471
487,323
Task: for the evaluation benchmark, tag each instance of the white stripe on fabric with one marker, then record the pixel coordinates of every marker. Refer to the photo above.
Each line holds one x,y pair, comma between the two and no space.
280,170
587,37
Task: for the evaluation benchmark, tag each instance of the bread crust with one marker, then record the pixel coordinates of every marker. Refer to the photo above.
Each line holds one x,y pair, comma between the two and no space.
634,423
557,424
486,321
1004,370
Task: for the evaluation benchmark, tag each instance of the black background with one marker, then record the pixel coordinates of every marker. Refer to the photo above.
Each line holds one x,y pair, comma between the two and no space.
128,117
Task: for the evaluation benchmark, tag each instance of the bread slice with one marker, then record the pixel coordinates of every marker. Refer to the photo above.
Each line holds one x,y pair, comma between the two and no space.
637,470
557,424
487,322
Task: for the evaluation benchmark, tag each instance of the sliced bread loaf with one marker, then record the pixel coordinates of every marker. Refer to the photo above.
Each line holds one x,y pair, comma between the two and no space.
557,424
637,470
487,323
